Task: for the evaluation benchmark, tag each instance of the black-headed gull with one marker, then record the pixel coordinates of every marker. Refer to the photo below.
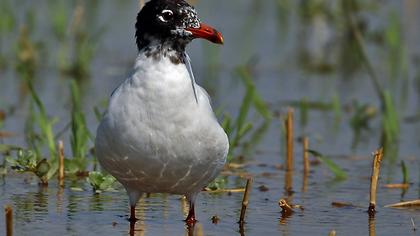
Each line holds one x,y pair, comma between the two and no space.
160,134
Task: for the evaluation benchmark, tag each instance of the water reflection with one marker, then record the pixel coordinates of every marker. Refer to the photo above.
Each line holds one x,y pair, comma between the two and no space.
242,229
371,224
31,206
60,199
305,182
139,228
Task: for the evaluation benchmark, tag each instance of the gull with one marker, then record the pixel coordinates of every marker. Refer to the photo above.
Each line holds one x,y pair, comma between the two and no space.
160,134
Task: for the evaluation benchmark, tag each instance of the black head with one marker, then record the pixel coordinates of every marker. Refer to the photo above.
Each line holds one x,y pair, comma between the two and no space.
171,23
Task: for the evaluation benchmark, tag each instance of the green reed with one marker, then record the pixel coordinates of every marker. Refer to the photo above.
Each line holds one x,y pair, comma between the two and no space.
80,134
7,25
404,171
237,129
363,114
332,166
78,42
39,126
259,104
39,129
390,129
390,116
397,55
44,122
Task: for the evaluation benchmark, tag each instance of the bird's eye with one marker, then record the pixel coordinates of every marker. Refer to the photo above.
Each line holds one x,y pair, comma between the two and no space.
166,15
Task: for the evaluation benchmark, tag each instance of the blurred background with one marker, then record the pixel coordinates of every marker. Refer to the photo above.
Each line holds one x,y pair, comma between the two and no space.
350,69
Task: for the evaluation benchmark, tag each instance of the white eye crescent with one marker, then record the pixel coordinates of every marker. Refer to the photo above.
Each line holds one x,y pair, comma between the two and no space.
166,15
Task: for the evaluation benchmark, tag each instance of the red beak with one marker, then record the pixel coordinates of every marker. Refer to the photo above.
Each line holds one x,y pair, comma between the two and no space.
207,32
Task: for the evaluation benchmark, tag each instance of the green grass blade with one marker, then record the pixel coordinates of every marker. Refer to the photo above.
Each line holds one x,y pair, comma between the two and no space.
404,171
258,102
338,172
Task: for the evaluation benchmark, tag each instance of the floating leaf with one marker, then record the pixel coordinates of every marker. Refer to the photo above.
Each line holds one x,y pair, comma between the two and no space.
100,182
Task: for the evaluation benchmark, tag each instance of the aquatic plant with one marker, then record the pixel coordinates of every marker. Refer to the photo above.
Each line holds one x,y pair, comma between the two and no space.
45,125
80,134
27,54
390,117
7,24
240,127
333,167
29,161
237,130
360,121
100,181
397,55
390,123
218,183
100,109
305,107
78,42
43,134
404,172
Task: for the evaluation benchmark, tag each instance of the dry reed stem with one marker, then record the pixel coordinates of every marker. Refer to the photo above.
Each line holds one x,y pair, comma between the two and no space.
286,208
306,164
8,213
245,200
289,139
227,190
413,203
288,182
332,233
377,158
61,163
403,186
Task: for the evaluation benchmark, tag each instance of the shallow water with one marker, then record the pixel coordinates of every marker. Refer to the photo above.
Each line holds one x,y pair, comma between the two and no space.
274,40
53,211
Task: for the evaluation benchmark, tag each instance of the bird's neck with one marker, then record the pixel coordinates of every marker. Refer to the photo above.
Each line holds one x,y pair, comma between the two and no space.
160,48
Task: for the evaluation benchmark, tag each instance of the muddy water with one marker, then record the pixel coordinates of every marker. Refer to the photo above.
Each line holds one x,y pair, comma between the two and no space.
274,40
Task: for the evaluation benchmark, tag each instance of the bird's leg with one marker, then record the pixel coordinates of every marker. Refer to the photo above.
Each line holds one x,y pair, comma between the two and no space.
132,228
132,214
134,196
191,220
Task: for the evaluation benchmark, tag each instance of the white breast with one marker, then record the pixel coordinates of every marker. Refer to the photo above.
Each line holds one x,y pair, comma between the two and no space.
156,137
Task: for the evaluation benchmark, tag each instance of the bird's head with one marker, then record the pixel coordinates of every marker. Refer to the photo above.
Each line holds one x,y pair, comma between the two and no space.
171,22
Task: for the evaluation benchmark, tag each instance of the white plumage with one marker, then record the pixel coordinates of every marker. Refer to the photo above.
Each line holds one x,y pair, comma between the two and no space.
156,137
